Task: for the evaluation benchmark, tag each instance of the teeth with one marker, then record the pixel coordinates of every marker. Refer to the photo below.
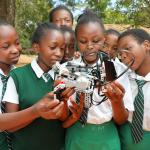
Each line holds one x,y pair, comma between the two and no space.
91,54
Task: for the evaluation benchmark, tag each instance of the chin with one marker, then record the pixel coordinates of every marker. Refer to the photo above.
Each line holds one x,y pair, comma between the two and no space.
91,59
14,62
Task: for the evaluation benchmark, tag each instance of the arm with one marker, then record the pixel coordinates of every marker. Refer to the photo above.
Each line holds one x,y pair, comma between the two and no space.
10,108
115,93
47,108
11,120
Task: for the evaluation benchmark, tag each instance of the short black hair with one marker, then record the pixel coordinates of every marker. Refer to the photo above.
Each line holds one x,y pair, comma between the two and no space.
41,30
87,17
59,7
67,29
139,35
112,32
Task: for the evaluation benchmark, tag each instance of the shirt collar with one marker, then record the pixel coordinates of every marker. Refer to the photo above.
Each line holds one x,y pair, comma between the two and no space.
133,75
147,77
38,70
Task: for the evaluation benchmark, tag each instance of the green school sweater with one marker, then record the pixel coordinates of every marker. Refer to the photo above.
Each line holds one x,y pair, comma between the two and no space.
41,134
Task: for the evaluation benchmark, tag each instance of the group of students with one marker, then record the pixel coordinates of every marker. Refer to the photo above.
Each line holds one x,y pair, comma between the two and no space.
38,121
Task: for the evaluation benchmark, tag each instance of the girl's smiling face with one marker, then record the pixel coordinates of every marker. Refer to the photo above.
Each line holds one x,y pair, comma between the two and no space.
139,51
10,47
90,39
50,49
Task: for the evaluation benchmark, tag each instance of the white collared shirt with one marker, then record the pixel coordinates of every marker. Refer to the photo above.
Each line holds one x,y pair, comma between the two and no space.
11,94
1,84
146,92
103,112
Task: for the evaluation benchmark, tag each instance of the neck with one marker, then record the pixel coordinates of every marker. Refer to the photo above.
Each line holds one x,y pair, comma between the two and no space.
43,65
89,62
144,69
5,68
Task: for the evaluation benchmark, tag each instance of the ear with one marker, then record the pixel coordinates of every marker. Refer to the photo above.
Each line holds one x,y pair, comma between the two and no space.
146,45
35,47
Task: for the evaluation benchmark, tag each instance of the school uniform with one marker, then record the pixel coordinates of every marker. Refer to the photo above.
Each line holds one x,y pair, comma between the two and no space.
100,132
125,130
3,141
26,86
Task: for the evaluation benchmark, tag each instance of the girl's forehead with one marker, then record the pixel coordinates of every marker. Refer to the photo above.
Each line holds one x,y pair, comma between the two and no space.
91,24
52,35
90,29
8,32
111,36
126,41
61,13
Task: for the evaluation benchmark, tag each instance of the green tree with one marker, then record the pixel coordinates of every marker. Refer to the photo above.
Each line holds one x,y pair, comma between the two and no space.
137,11
99,6
28,14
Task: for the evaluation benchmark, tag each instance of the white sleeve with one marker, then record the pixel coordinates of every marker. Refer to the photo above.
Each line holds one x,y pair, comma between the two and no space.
125,82
11,94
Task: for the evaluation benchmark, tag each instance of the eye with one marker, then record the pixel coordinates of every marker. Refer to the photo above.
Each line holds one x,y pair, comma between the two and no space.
57,20
68,20
5,46
115,49
17,42
63,48
128,48
52,47
95,40
83,41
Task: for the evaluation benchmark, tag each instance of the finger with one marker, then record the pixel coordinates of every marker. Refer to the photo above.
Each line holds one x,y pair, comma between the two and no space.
68,92
59,112
109,91
117,90
58,109
74,105
119,86
52,104
72,91
113,92
50,96
73,110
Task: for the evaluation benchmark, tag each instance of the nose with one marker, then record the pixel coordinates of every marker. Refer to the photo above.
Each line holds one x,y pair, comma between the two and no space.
15,50
59,53
123,56
90,46
62,22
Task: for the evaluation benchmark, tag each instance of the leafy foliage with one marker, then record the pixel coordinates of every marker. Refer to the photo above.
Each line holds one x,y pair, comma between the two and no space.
28,14
31,12
137,11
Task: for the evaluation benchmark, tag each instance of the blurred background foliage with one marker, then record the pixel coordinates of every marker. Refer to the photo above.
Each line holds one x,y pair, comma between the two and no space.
28,13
